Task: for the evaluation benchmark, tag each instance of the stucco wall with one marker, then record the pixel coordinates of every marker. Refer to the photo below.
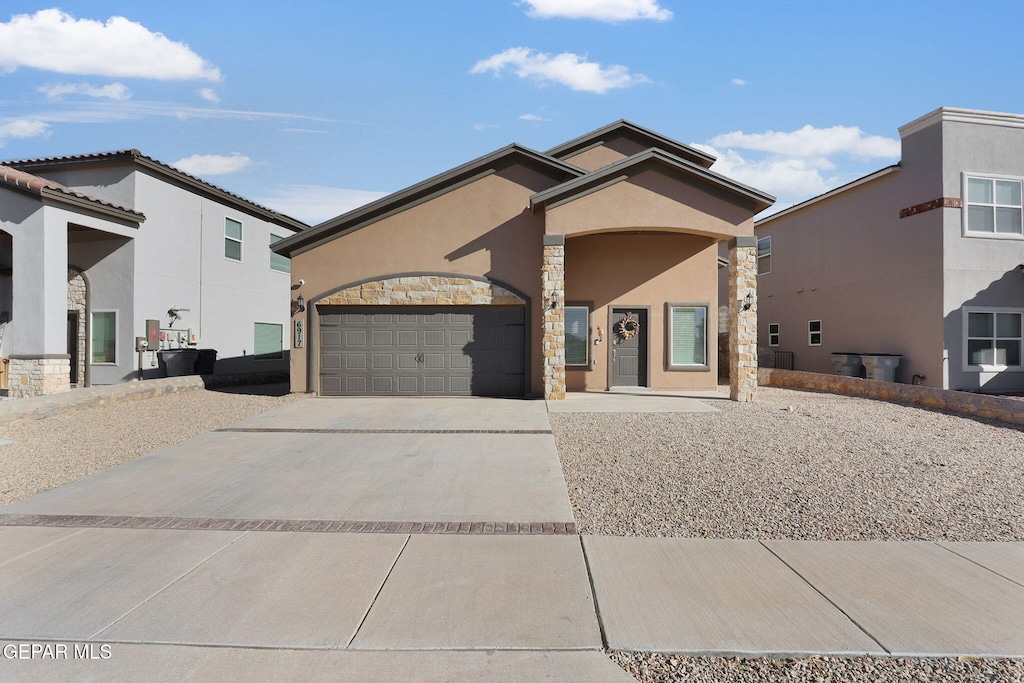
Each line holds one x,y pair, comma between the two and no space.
483,229
605,153
873,279
649,200
608,270
979,271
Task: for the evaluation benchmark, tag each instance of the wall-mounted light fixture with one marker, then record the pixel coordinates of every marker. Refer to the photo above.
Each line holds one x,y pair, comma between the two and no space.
554,301
747,302
299,305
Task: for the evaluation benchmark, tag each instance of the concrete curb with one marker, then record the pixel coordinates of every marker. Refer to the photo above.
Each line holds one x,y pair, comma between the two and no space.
38,407
974,405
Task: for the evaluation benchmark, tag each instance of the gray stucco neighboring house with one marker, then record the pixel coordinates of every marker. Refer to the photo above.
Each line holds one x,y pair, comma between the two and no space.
924,259
93,246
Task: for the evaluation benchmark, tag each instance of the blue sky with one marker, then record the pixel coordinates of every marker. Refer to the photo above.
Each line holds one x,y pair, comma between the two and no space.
315,107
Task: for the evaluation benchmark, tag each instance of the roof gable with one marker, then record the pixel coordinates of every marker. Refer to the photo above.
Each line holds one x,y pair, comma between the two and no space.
45,188
424,191
167,172
726,188
645,137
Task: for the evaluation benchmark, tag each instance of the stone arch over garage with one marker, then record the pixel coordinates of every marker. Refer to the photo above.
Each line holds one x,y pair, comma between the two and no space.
479,310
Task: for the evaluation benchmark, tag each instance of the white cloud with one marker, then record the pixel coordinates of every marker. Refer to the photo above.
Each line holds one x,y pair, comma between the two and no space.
612,11
483,126
567,69
532,117
209,94
738,81
810,141
111,91
213,164
783,177
86,111
315,203
52,40
22,128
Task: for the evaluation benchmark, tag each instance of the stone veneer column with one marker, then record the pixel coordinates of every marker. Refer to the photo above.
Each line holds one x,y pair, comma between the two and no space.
743,323
36,376
553,273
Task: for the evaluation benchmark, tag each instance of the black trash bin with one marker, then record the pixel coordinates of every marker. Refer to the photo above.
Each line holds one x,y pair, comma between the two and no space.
205,362
177,362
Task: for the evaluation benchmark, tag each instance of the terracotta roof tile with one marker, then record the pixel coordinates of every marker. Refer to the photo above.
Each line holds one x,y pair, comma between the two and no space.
36,185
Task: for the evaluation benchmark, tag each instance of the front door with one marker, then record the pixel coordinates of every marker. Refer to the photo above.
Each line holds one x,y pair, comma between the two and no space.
73,345
629,347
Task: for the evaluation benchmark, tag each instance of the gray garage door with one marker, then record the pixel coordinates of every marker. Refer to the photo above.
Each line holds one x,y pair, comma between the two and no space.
422,351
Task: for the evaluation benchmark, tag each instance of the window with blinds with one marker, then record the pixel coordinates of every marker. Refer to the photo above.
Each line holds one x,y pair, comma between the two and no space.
688,337
269,341
577,335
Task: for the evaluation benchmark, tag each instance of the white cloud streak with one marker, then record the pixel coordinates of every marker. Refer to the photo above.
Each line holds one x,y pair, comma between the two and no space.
532,117
209,94
22,128
316,203
567,69
112,91
738,81
106,112
810,141
52,40
213,164
610,11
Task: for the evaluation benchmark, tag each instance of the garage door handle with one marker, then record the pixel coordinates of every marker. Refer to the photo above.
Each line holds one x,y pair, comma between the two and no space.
419,357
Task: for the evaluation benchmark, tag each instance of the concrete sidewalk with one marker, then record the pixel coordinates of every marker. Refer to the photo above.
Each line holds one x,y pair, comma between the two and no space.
236,552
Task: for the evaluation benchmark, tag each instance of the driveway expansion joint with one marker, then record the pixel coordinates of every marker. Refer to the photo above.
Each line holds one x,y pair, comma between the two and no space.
287,430
292,525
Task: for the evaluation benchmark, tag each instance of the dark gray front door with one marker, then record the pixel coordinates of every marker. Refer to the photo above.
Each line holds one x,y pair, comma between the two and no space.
422,351
629,353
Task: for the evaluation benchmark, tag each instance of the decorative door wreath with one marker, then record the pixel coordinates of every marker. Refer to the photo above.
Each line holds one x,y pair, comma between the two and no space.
629,326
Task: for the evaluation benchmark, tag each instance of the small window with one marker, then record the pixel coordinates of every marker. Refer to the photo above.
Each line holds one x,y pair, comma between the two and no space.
269,344
280,263
994,339
993,207
104,337
814,333
232,239
764,255
773,334
688,337
577,335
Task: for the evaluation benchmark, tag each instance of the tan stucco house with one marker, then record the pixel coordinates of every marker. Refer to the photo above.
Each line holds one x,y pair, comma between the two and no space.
587,267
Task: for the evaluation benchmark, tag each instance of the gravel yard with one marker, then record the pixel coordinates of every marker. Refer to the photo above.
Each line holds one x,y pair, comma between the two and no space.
56,450
795,465
649,668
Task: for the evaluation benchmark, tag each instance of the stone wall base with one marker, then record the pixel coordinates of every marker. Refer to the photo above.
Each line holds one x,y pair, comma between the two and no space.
975,405
38,376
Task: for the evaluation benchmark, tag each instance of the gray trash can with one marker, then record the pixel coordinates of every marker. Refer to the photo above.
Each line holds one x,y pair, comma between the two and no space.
847,364
882,366
177,362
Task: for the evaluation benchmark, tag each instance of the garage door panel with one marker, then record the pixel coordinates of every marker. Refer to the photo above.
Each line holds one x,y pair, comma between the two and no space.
433,351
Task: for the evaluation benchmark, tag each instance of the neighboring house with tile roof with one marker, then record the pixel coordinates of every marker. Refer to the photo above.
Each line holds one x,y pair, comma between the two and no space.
93,246
591,266
924,259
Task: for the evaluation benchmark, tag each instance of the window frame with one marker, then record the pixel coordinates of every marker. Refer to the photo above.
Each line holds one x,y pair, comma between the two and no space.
588,307
670,366
965,337
776,334
768,256
273,240
239,240
811,333
92,336
965,178
258,357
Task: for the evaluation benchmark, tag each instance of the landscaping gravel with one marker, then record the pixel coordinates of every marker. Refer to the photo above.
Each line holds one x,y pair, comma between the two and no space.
795,465
656,667
59,449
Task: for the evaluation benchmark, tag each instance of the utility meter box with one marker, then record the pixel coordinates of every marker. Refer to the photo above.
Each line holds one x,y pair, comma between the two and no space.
153,335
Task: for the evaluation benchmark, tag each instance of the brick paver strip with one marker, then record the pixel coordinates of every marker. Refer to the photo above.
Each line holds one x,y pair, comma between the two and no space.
289,430
303,525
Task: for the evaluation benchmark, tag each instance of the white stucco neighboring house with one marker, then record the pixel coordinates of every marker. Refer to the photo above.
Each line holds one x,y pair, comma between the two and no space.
93,246
924,259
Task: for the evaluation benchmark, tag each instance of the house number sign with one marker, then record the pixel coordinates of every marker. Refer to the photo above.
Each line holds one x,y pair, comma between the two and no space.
300,334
